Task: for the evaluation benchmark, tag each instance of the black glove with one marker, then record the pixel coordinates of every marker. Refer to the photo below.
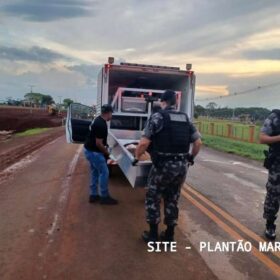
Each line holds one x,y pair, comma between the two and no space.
135,162
190,159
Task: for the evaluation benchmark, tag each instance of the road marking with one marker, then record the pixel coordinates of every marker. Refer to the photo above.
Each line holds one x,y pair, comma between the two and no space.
243,182
65,186
229,218
62,200
54,223
249,166
263,258
239,163
216,161
66,182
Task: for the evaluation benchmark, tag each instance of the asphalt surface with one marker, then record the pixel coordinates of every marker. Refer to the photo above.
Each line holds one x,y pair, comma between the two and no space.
48,229
233,189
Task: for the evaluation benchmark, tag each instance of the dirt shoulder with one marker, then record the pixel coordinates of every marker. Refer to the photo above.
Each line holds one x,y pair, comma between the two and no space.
16,147
21,118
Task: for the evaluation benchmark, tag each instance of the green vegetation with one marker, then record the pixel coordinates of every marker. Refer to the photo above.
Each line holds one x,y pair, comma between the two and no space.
249,150
32,99
255,114
239,131
67,102
39,98
31,132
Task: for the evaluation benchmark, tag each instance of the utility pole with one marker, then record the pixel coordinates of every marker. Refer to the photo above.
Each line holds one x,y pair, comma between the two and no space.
59,99
31,91
59,107
31,88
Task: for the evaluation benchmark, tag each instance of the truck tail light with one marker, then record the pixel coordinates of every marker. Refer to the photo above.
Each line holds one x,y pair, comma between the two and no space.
107,67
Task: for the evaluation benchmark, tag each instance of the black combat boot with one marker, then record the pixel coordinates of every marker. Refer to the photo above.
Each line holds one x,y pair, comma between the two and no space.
152,235
168,234
270,230
93,198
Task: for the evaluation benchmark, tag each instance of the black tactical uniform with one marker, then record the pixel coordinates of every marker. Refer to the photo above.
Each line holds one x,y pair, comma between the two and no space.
271,127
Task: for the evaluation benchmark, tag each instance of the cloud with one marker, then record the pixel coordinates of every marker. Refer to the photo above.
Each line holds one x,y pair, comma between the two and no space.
33,54
34,10
88,71
215,89
262,91
226,39
272,54
54,81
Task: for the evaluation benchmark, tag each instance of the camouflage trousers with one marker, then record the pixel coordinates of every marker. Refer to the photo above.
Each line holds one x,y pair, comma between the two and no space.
272,199
165,182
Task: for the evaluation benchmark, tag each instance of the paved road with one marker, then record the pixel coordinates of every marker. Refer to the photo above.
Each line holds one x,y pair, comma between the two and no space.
49,231
233,189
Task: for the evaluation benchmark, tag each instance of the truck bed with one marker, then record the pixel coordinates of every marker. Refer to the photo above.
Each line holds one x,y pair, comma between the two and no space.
117,140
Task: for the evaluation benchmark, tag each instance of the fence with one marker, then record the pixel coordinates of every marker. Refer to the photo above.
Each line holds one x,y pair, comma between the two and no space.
237,131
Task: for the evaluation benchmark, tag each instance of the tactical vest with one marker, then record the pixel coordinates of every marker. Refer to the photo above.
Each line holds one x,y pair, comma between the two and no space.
275,148
173,138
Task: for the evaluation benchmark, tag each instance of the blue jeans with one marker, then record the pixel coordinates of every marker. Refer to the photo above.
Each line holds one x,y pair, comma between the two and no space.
99,173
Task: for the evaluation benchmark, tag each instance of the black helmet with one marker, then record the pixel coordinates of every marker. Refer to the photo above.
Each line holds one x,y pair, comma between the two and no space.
106,108
169,96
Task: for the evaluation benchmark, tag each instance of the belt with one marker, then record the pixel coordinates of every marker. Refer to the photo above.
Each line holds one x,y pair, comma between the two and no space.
171,157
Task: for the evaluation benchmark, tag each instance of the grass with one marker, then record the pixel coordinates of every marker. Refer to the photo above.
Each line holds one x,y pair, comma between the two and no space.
249,150
31,132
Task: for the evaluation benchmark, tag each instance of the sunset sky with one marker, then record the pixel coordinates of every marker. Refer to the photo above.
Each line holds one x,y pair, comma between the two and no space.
59,45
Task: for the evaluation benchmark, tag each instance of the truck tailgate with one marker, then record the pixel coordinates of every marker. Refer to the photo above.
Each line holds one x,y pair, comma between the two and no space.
136,175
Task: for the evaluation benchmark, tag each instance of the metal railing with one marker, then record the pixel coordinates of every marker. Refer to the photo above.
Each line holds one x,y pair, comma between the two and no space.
236,131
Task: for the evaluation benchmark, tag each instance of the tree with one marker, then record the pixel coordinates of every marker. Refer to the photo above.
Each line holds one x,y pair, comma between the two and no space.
67,102
46,100
199,111
252,113
39,98
33,97
211,106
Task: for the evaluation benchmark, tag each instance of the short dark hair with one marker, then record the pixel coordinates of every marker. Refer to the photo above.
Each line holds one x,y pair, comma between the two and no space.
106,108
169,96
156,108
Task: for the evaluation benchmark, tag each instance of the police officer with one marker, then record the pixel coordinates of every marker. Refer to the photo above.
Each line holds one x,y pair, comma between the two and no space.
270,134
167,137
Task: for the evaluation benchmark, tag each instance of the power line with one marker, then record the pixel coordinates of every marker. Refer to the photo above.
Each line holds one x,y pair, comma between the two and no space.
239,93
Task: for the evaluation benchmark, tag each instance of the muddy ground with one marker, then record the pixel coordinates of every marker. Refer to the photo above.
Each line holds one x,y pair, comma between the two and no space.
21,119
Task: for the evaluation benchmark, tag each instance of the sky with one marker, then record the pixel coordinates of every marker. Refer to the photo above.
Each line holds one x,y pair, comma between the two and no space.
59,45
